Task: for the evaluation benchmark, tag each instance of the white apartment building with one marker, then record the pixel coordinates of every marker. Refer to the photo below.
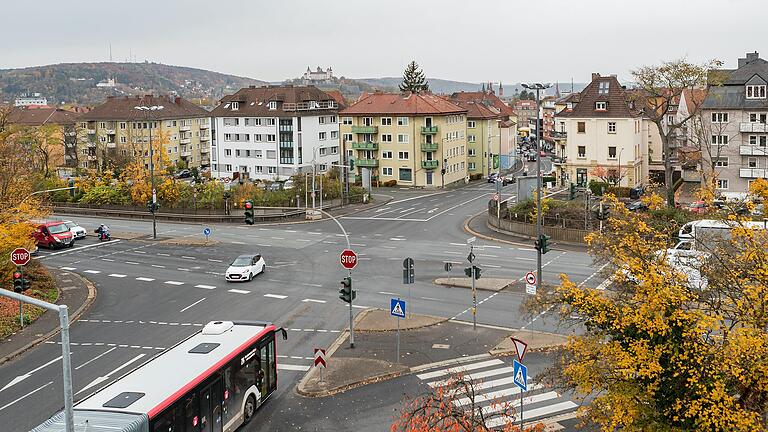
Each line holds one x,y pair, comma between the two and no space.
274,132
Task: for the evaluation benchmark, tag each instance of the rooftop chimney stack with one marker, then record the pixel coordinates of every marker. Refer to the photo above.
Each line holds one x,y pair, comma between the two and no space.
749,58
595,76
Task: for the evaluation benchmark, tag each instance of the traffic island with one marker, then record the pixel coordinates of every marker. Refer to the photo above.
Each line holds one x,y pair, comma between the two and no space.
536,340
485,284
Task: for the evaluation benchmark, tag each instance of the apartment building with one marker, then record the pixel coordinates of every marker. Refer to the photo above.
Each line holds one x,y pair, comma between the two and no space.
57,132
274,132
117,131
603,132
417,139
734,117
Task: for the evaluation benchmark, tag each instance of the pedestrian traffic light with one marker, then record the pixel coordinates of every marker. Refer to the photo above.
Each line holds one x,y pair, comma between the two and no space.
572,191
603,211
152,207
18,282
249,212
345,292
542,244
468,271
351,163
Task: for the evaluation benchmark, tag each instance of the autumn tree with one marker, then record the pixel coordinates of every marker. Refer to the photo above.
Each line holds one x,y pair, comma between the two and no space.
136,174
661,87
612,176
659,352
414,80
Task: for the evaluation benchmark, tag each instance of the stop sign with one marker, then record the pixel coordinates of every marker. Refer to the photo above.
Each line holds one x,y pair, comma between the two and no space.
348,259
20,256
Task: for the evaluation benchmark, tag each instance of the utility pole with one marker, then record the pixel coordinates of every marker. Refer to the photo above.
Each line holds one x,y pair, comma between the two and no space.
147,111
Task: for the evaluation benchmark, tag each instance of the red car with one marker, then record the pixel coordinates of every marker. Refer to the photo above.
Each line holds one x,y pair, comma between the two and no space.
53,235
698,207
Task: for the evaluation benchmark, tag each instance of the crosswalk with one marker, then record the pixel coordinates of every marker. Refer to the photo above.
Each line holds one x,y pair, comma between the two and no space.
495,392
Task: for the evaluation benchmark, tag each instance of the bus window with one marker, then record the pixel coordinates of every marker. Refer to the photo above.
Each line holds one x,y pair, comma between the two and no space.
191,413
169,421
264,374
205,410
216,401
272,366
232,400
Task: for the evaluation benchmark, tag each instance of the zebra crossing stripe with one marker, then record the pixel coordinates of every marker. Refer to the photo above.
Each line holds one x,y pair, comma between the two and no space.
532,413
475,376
494,395
459,369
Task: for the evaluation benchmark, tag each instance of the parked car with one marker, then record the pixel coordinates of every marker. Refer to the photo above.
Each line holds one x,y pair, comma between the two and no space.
244,268
276,186
53,235
288,184
507,179
492,177
185,173
636,206
77,231
698,207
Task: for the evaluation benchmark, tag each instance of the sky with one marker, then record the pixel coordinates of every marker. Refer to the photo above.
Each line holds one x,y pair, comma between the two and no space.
476,40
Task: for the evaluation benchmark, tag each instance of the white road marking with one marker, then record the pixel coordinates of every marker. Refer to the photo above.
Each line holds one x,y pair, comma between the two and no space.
188,257
361,307
193,304
29,394
491,266
277,296
313,301
238,291
357,244
139,252
488,255
157,266
163,254
312,285
214,260
526,249
21,378
92,271
292,367
132,263
388,293
397,239
144,279
182,269
174,283
108,260
237,242
68,268
116,275
101,379
76,248
208,287
525,259
96,358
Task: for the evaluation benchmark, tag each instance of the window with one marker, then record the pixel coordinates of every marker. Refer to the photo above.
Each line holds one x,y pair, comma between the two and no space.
227,167
272,105
367,121
757,117
258,169
386,121
270,138
270,121
321,136
402,121
762,140
405,174
321,120
386,137
719,117
612,127
601,106
582,151
472,152
271,154
386,172
237,153
471,166
257,153
581,127
323,151
346,120
348,137
122,125
123,140
721,162
235,106
333,119
752,162
258,138
386,155
719,139
471,124
755,92
403,155
670,119
402,138
722,183
611,152
272,170
603,87
471,138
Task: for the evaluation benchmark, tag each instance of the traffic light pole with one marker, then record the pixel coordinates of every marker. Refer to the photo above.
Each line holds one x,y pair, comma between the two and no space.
21,303
539,135
351,323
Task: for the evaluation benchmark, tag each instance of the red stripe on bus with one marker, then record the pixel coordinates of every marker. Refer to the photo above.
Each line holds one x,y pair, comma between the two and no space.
200,378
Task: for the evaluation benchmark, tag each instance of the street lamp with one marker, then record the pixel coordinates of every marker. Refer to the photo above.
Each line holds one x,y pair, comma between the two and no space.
148,110
538,87
618,173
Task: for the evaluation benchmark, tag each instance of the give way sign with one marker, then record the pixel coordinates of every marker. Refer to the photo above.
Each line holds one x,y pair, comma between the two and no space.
348,259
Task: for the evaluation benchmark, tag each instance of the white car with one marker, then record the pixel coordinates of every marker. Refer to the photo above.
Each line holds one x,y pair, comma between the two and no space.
77,231
244,268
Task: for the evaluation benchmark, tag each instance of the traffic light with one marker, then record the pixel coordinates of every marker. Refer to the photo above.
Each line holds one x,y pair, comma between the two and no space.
468,271
603,211
542,243
572,191
152,207
248,212
351,163
18,282
345,292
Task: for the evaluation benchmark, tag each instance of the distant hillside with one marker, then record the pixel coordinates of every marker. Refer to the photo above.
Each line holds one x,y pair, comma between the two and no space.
77,82
436,85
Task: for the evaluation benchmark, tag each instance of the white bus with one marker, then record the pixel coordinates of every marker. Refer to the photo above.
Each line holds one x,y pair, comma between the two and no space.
213,381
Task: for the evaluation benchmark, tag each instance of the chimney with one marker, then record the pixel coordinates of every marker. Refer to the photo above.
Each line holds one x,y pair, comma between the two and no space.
749,59
595,76
178,100
252,86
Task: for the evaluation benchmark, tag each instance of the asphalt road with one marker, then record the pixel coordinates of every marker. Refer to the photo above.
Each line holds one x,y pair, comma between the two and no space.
151,295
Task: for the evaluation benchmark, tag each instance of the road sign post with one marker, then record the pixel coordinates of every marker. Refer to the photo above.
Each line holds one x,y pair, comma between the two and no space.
397,310
320,362
20,257
348,260
530,283
520,376
472,276
206,233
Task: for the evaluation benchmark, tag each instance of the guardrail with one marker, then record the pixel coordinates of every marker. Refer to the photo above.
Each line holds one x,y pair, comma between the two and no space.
263,214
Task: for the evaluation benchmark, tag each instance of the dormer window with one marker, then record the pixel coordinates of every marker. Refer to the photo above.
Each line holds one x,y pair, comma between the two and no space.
235,106
601,106
756,92
603,87
272,105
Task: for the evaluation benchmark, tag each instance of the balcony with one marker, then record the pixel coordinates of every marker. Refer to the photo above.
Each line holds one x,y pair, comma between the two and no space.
111,145
365,129
312,105
286,144
429,147
753,127
559,160
559,135
205,138
205,149
365,146
185,152
185,140
367,163
91,131
752,173
205,161
185,128
429,130
90,157
109,131
429,164
205,125
748,150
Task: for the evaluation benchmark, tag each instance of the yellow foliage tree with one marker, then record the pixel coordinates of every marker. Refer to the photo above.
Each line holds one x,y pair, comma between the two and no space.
662,350
136,175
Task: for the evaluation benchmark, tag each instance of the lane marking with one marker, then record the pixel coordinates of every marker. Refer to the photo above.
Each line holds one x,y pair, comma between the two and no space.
312,285
313,301
388,293
188,257
76,248
277,296
208,287
144,279
238,291
68,268
193,304
174,283
215,260
101,379
96,358
108,260
163,254
92,271
361,307
27,395
21,378
292,367
237,242
157,266
132,263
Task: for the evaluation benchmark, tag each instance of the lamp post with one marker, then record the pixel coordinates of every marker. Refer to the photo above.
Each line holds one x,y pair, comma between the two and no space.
538,87
147,110
618,173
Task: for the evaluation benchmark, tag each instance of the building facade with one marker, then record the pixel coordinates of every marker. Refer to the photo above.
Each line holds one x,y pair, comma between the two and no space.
603,137
416,139
57,131
33,99
274,132
734,117
117,132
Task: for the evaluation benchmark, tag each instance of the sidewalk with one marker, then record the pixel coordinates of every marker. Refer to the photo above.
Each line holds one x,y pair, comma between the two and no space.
477,226
74,291
425,341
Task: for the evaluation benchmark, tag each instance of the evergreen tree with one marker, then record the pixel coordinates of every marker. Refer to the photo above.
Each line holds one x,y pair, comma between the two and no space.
414,80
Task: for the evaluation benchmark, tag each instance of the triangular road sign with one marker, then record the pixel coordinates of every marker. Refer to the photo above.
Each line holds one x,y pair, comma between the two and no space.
519,377
520,347
397,310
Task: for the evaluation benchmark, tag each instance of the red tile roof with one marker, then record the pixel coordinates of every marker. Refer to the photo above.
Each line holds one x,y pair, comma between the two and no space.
619,101
476,110
401,103
124,108
40,116
254,101
486,98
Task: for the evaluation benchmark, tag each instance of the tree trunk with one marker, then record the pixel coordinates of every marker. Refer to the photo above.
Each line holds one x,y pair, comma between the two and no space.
668,172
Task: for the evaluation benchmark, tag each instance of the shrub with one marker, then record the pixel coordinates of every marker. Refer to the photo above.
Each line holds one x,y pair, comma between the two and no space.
597,187
103,194
390,183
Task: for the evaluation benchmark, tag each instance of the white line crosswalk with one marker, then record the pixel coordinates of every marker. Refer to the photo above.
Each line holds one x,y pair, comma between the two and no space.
497,395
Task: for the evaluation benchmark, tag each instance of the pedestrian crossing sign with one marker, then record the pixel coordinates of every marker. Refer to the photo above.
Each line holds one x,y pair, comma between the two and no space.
397,307
520,375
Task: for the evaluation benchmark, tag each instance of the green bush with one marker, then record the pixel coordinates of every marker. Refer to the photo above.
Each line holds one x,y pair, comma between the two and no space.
99,195
597,187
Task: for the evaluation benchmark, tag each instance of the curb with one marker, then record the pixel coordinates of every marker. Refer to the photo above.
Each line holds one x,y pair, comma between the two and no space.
514,281
469,230
72,318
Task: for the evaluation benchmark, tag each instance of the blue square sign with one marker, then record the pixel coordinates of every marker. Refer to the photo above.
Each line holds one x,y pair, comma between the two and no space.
520,373
397,307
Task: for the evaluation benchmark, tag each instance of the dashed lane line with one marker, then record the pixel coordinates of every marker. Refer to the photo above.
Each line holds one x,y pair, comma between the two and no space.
173,283
144,279
276,296
117,275
92,271
208,287
313,301
239,291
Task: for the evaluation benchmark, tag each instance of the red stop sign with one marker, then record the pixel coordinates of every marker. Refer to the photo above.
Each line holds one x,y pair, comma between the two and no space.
348,259
20,256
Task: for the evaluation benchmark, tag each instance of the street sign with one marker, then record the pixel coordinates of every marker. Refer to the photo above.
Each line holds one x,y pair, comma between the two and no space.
320,357
496,197
471,240
520,374
520,347
397,307
20,256
471,257
348,259
530,278
448,266
206,231
530,289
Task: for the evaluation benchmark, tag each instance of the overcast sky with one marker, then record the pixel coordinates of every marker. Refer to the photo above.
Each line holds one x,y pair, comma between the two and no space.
464,40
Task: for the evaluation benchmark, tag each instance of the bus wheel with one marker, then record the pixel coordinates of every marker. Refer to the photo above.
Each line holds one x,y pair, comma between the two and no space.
250,407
